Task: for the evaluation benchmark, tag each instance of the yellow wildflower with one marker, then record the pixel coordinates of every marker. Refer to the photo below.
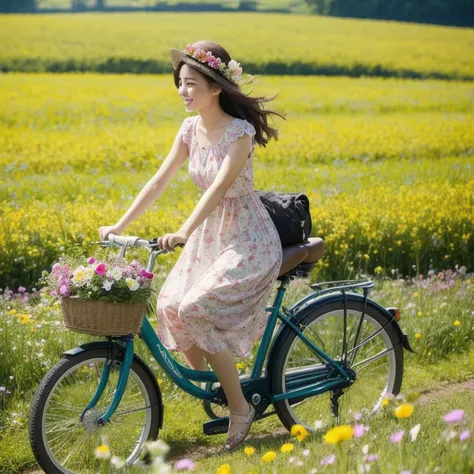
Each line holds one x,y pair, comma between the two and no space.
248,450
224,469
339,433
404,411
417,335
299,431
419,313
12,311
24,319
385,402
457,322
240,365
269,456
287,447
102,452
416,294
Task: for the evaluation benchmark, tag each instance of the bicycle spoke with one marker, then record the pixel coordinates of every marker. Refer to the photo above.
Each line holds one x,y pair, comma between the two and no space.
372,359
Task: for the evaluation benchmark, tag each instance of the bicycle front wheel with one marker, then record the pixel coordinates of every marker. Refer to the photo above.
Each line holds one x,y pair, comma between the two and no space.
62,443
375,355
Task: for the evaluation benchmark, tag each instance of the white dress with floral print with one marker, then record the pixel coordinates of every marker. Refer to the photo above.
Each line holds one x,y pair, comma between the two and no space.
215,295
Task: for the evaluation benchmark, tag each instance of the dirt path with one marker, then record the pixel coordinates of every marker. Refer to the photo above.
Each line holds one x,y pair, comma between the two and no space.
444,389
198,452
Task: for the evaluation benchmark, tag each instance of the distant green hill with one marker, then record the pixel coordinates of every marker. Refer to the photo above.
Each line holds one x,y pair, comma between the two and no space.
294,6
264,43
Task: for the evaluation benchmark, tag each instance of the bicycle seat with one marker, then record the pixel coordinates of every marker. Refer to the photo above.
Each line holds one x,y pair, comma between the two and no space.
298,259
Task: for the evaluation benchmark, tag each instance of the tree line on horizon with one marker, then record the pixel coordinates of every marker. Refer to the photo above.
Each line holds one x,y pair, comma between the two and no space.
442,12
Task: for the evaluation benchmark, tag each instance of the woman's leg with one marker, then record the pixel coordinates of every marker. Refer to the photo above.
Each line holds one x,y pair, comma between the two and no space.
223,365
195,358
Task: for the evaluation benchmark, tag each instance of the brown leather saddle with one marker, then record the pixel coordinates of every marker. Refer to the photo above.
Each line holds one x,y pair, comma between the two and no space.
299,259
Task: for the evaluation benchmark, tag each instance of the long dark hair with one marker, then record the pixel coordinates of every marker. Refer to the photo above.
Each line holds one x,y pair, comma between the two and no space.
233,101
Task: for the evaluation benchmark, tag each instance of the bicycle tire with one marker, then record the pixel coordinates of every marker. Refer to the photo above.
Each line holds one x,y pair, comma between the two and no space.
283,408
45,391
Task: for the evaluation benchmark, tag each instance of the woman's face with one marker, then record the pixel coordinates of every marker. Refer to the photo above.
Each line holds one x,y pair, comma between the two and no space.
194,89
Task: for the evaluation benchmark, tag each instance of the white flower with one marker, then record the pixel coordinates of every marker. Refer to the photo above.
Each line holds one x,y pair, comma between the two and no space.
319,424
89,271
117,462
79,276
132,284
157,448
414,432
234,66
107,285
115,273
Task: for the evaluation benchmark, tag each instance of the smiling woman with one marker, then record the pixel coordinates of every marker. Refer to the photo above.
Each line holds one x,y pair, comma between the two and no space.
212,304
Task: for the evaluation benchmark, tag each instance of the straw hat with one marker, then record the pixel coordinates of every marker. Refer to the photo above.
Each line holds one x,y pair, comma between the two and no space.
177,56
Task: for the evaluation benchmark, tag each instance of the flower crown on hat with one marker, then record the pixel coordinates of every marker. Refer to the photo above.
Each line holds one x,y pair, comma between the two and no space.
231,71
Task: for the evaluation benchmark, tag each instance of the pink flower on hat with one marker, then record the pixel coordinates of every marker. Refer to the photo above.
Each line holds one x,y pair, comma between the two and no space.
232,71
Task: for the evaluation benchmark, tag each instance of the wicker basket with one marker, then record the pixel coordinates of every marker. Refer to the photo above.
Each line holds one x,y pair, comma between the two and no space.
102,318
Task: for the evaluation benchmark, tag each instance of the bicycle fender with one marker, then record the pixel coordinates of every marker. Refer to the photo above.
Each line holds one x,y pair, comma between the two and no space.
106,344
312,304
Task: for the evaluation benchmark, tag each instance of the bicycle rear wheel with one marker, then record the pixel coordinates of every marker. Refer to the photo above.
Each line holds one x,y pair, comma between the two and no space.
61,442
377,361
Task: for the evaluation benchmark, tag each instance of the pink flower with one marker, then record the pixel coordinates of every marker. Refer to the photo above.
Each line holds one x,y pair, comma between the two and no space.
146,274
56,267
64,290
184,464
466,434
371,457
100,270
91,260
359,431
397,437
21,289
331,459
454,416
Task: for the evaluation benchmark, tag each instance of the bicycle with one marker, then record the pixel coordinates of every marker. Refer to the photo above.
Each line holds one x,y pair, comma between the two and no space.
312,369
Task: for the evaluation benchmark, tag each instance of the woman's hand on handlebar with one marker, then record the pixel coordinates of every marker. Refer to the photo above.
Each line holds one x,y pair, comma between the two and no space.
104,231
170,241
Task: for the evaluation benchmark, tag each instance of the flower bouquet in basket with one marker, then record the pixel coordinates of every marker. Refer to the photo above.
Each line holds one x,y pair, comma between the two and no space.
107,298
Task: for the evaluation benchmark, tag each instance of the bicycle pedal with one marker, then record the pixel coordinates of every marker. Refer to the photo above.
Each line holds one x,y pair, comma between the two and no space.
217,426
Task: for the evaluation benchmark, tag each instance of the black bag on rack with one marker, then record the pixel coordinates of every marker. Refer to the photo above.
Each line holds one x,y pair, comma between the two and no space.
290,214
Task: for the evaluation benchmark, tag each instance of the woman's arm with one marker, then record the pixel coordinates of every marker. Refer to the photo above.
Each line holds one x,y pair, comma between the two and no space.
158,183
231,167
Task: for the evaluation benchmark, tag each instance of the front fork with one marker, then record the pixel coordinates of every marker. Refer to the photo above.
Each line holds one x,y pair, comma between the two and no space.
121,384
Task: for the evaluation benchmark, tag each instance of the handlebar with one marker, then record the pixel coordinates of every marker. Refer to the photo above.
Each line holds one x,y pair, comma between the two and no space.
131,241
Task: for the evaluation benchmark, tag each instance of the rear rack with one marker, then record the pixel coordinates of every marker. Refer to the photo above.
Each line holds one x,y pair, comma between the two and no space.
339,285
346,284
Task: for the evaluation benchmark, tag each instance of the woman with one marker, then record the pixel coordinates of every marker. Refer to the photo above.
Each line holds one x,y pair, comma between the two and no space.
212,304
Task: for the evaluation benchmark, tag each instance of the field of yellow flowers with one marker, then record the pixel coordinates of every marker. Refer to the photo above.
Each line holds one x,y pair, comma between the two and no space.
387,165
321,45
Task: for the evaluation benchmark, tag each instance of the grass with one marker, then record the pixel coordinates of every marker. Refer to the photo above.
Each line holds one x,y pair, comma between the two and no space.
29,349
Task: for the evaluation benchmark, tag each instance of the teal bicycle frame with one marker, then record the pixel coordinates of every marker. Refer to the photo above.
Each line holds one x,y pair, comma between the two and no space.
330,376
